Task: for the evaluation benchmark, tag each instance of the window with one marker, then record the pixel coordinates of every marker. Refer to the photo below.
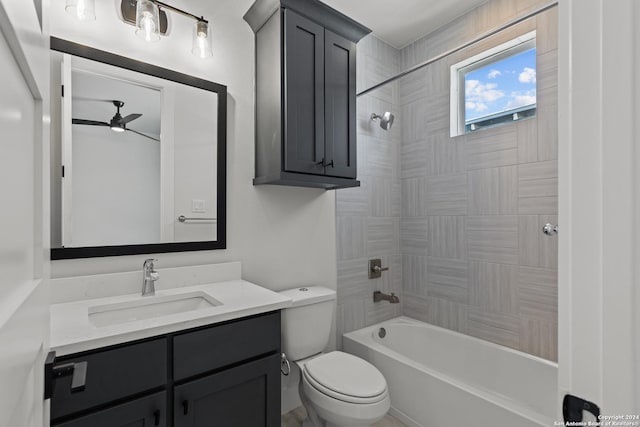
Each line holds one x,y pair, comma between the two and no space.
495,87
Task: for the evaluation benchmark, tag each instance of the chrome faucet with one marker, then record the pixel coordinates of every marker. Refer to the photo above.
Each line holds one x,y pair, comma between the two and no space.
379,296
149,277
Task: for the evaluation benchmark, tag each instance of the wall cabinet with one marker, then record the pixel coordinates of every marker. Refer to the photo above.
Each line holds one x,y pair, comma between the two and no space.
305,94
226,373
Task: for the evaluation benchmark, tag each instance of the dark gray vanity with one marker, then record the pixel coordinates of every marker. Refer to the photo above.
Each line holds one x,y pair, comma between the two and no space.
228,372
305,94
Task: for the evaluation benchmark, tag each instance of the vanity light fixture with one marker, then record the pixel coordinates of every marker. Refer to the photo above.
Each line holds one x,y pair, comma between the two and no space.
83,10
150,20
202,40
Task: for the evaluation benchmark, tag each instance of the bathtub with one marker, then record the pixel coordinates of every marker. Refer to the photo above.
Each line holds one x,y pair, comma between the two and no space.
441,378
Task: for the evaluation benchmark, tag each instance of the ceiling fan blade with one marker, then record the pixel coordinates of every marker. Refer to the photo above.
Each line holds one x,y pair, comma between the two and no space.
84,98
130,118
88,122
142,134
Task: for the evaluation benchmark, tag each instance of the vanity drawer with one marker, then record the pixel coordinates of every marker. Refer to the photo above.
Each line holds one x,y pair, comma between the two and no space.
112,374
219,346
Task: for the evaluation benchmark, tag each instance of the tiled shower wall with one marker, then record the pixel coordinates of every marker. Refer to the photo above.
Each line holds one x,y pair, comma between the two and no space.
368,217
474,258
457,220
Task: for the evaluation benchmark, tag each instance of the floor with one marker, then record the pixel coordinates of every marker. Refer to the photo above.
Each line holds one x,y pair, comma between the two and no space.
295,417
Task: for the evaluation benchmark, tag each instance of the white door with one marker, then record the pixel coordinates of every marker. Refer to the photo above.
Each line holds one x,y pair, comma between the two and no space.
599,154
24,207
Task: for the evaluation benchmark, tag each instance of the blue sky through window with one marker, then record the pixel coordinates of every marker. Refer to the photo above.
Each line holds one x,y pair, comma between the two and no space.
503,85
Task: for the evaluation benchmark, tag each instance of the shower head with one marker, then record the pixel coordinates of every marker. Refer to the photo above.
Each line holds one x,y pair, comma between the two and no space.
386,120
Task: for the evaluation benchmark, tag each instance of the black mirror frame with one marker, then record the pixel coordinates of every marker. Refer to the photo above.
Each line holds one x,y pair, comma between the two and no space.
82,51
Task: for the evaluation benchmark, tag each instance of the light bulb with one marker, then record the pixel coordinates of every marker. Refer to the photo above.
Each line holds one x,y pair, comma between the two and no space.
201,40
147,21
83,10
148,26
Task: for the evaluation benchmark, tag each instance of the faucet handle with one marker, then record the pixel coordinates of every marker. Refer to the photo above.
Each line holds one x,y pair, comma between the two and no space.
148,263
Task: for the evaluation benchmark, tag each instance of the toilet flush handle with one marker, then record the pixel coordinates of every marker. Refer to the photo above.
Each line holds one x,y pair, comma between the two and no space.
285,366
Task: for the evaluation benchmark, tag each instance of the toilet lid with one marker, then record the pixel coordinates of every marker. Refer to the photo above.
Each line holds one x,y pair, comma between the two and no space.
345,376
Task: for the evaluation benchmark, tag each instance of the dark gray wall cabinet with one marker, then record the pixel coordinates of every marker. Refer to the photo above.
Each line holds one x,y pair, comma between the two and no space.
305,93
226,374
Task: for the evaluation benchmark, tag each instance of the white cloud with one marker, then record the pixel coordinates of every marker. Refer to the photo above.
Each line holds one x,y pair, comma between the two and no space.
494,73
481,93
476,106
520,99
528,75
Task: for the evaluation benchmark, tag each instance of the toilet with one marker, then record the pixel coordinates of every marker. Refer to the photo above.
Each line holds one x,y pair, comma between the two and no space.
337,389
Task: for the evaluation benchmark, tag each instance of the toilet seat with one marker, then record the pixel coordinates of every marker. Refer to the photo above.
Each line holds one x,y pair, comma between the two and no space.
346,378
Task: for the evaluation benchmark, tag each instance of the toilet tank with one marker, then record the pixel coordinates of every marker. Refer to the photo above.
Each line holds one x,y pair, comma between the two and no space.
306,324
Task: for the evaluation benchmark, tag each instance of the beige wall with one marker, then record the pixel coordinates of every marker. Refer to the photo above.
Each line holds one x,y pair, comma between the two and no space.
472,256
368,217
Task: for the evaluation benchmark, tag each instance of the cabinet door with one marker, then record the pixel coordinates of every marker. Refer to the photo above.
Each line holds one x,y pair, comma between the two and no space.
144,412
304,95
340,105
247,396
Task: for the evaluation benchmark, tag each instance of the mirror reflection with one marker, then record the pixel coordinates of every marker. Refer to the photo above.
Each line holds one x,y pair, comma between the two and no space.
135,158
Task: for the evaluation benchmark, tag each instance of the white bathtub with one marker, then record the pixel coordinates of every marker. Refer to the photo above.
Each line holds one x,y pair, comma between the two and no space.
441,378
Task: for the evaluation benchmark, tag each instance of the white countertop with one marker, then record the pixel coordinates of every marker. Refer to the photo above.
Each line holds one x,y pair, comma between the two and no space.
72,331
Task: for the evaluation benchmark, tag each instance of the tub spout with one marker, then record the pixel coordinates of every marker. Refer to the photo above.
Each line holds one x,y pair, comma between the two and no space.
379,296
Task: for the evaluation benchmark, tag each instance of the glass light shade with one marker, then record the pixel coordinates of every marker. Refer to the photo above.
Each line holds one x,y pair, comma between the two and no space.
147,21
202,40
83,10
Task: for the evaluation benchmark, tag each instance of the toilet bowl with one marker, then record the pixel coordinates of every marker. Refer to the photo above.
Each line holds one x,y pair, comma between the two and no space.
337,389
340,390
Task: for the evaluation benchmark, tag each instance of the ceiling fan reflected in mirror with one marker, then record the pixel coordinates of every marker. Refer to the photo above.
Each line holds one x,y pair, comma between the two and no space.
117,122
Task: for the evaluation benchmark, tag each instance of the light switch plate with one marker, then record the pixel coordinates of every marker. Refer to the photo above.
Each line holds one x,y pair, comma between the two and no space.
197,206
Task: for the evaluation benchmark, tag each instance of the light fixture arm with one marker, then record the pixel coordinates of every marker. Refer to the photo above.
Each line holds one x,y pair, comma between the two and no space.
179,11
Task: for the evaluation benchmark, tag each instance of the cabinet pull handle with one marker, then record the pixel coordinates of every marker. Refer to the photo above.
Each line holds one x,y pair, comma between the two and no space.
324,163
77,371
185,407
156,418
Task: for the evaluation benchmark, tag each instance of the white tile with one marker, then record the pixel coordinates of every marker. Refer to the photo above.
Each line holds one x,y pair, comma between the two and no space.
351,231
493,191
447,236
448,279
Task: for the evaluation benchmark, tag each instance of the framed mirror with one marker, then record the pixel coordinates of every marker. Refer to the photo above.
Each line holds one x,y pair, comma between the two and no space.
138,157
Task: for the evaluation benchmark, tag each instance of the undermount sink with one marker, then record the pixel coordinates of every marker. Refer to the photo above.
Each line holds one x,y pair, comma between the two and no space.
149,307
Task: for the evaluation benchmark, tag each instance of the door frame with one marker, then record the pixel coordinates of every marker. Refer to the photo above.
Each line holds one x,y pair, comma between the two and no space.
599,198
24,314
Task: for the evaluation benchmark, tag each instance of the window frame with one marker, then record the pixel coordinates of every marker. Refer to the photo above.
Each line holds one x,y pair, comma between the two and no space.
458,70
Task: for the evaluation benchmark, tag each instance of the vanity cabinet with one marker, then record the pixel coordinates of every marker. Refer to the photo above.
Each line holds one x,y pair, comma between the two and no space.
227,372
305,94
